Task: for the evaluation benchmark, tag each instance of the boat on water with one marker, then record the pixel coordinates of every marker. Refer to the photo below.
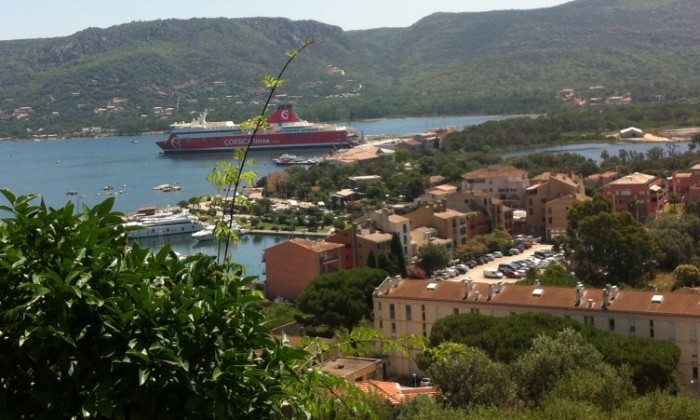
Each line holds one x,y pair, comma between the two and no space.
289,159
162,224
286,131
206,234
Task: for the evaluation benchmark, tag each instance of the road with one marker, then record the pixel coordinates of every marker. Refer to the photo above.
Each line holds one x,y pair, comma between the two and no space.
477,273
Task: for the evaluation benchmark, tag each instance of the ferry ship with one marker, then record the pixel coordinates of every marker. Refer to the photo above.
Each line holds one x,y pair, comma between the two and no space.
286,131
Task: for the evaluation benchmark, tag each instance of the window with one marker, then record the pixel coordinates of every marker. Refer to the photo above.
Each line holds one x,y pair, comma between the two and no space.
422,308
651,328
693,333
393,328
611,324
392,312
408,312
474,310
425,330
455,311
588,320
695,373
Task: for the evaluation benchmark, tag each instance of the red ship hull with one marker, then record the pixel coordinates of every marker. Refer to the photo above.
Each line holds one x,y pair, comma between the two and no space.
286,131
203,142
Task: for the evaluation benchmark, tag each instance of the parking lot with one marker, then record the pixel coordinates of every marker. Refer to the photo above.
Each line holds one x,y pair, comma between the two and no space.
477,273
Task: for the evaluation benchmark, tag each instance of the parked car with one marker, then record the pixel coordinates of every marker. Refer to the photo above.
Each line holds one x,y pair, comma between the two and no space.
514,274
493,274
471,263
462,268
497,254
514,251
488,257
506,267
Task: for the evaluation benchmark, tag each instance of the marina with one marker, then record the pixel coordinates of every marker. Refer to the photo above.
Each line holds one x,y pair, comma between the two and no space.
127,168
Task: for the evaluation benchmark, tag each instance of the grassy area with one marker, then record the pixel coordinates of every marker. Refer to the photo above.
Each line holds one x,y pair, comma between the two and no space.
663,281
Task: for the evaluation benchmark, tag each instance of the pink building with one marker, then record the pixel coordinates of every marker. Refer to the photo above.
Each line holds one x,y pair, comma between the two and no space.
642,195
291,265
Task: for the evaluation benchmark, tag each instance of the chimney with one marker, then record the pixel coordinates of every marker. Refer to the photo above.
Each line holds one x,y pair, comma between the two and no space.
500,287
606,299
591,303
492,291
615,291
468,286
478,295
579,293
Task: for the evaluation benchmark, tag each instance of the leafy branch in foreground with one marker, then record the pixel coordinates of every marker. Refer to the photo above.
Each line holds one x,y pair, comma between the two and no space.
229,176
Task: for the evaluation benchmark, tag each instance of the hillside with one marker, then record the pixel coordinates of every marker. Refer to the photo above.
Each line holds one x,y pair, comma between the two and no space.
142,75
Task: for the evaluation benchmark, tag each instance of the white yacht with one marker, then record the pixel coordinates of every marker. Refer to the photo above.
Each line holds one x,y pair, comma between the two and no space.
164,224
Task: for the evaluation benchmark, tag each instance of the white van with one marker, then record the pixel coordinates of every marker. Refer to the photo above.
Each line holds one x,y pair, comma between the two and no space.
493,274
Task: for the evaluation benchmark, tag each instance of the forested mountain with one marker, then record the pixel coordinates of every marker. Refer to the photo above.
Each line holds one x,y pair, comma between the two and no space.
143,75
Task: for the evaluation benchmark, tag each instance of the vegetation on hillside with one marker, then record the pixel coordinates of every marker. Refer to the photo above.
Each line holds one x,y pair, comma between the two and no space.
445,64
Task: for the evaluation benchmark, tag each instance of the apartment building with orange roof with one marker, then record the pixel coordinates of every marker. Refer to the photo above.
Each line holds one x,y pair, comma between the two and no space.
640,194
412,306
548,201
291,265
448,224
505,182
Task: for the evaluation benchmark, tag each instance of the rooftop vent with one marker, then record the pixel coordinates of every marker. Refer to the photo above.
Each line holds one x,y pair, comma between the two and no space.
431,286
657,298
537,292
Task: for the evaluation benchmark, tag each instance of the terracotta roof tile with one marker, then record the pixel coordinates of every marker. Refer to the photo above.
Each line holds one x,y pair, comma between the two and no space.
393,392
631,301
316,246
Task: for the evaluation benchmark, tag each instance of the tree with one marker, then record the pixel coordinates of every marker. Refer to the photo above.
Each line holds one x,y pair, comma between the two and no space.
607,247
93,326
472,249
686,275
432,257
397,252
603,386
550,360
468,378
341,299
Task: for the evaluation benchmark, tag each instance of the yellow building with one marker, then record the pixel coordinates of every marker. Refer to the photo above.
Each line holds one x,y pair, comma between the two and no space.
412,307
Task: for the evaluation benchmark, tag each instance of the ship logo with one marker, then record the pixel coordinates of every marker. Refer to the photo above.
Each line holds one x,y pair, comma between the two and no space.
285,114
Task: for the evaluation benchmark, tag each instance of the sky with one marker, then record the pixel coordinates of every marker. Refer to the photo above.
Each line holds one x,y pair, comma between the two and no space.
55,18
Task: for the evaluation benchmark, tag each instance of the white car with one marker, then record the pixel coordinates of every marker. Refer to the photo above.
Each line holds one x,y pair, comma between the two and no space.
493,274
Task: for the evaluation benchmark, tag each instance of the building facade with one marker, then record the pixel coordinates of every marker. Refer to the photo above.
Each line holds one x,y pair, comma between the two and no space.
291,265
548,201
640,194
413,306
505,182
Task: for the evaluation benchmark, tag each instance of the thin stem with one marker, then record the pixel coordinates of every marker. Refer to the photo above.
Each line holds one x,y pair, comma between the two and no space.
258,123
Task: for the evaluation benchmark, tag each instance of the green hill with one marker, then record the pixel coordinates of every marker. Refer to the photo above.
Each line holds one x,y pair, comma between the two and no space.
143,75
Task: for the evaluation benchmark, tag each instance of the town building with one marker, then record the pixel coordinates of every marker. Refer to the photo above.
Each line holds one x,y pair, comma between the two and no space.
385,220
291,265
687,184
548,201
640,194
412,306
603,178
447,224
394,393
505,182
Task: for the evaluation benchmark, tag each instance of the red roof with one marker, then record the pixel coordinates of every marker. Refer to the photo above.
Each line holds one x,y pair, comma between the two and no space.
393,392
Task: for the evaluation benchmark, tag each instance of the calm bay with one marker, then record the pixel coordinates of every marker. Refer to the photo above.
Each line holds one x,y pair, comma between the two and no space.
132,165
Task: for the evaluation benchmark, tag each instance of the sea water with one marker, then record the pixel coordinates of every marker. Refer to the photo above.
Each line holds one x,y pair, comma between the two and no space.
127,168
